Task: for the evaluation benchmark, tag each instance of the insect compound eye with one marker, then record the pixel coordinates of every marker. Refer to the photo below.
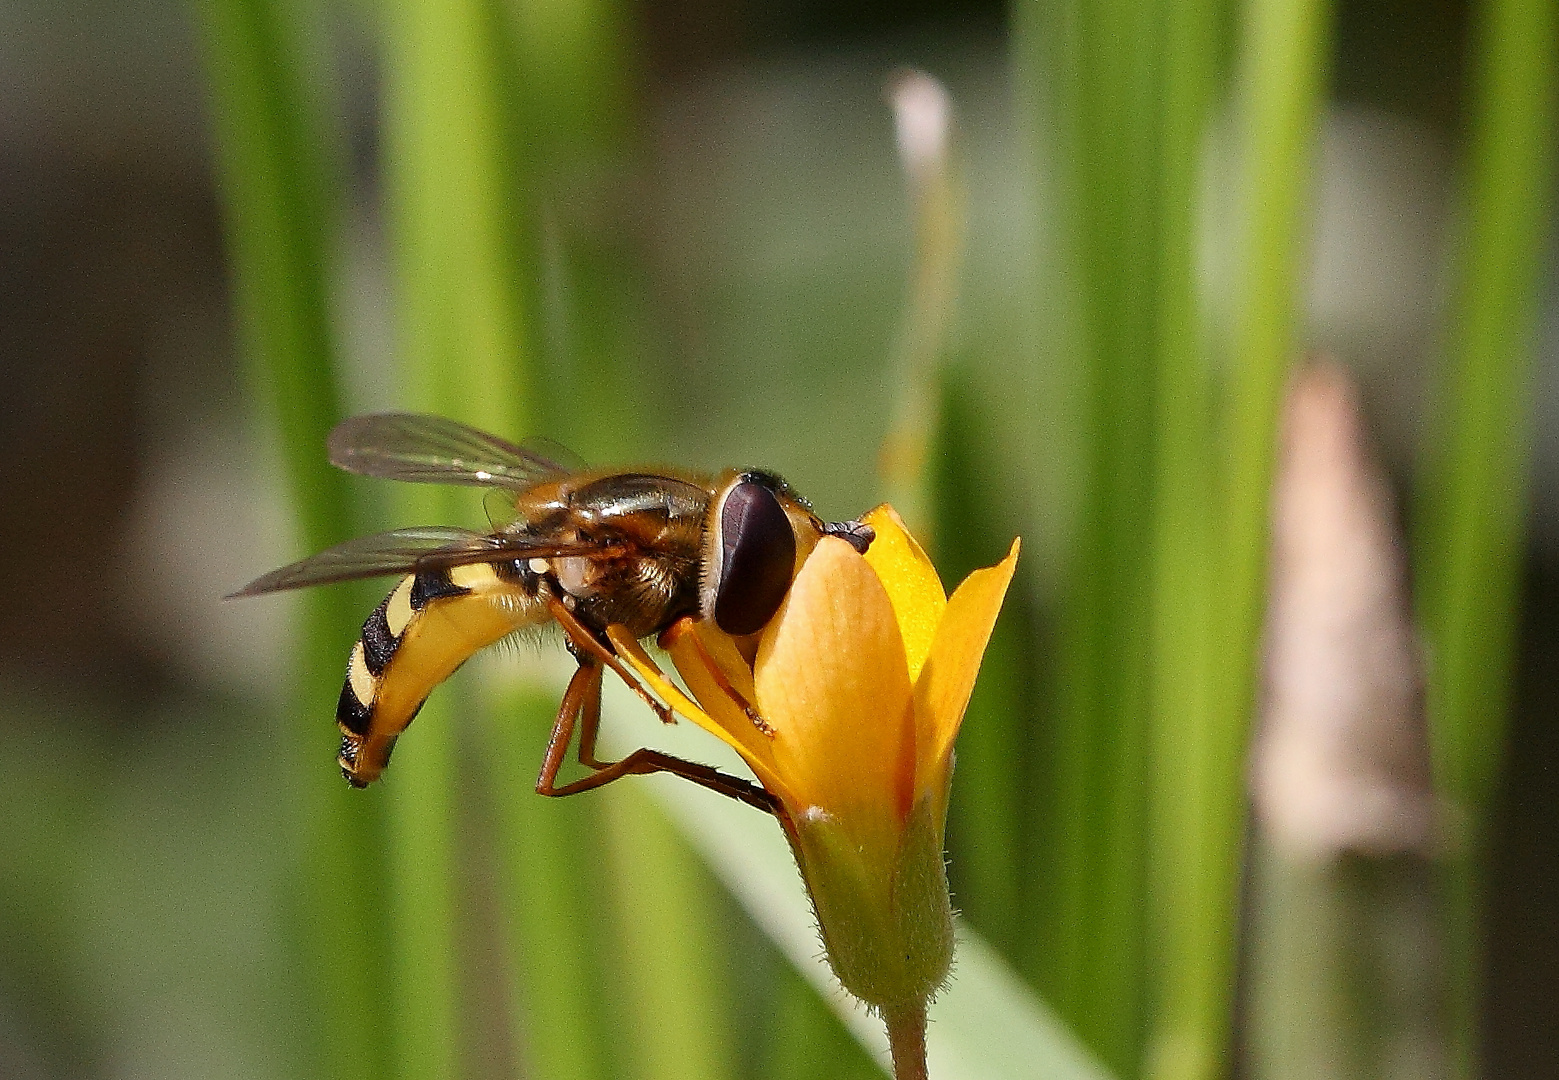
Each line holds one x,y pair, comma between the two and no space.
758,558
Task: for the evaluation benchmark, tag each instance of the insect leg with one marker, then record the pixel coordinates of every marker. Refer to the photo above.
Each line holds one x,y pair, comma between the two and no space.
586,642
583,697
650,673
683,628
644,761
584,689
590,725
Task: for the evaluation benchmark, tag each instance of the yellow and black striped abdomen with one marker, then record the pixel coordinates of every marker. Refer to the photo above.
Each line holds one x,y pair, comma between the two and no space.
433,621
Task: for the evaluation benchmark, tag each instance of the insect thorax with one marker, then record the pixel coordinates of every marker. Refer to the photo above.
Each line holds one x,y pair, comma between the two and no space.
651,532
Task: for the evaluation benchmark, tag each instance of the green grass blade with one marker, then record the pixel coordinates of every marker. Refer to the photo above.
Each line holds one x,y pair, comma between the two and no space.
1473,501
987,841
805,1040
578,72
457,202
456,211
672,998
1101,59
274,179
1281,83
276,196
1283,62
552,857
422,862
1193,911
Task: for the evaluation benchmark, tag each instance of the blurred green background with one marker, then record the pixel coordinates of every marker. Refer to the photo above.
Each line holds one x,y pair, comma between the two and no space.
679,232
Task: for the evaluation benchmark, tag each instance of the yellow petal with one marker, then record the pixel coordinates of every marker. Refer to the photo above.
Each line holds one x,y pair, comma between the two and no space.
943,689
719,715
691,652
832,681
911,581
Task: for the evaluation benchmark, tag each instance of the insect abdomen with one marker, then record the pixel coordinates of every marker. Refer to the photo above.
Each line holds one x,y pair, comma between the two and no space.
430,624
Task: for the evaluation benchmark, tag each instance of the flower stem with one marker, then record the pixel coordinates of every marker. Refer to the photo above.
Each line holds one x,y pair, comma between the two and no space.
907,1040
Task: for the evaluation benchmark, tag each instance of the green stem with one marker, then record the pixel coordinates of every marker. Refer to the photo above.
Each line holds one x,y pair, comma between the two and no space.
1345,978
938,215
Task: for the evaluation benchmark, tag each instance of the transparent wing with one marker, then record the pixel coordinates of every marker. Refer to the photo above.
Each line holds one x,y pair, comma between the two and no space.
398,552
433,450
500,505
501,502
405,551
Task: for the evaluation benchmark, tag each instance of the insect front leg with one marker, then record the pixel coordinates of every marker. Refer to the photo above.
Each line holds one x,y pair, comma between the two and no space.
583,642
682,629
588,713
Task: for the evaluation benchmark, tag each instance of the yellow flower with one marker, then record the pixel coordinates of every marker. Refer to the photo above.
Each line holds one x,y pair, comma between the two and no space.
846,707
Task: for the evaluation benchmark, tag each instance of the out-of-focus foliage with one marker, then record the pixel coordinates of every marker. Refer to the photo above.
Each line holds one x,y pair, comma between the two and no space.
679,233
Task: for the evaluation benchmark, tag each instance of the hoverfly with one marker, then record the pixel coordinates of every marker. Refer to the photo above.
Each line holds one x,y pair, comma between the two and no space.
604,554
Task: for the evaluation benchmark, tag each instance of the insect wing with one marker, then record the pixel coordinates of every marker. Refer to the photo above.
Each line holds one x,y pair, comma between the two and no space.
434,450
501,508
406,551
398,552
